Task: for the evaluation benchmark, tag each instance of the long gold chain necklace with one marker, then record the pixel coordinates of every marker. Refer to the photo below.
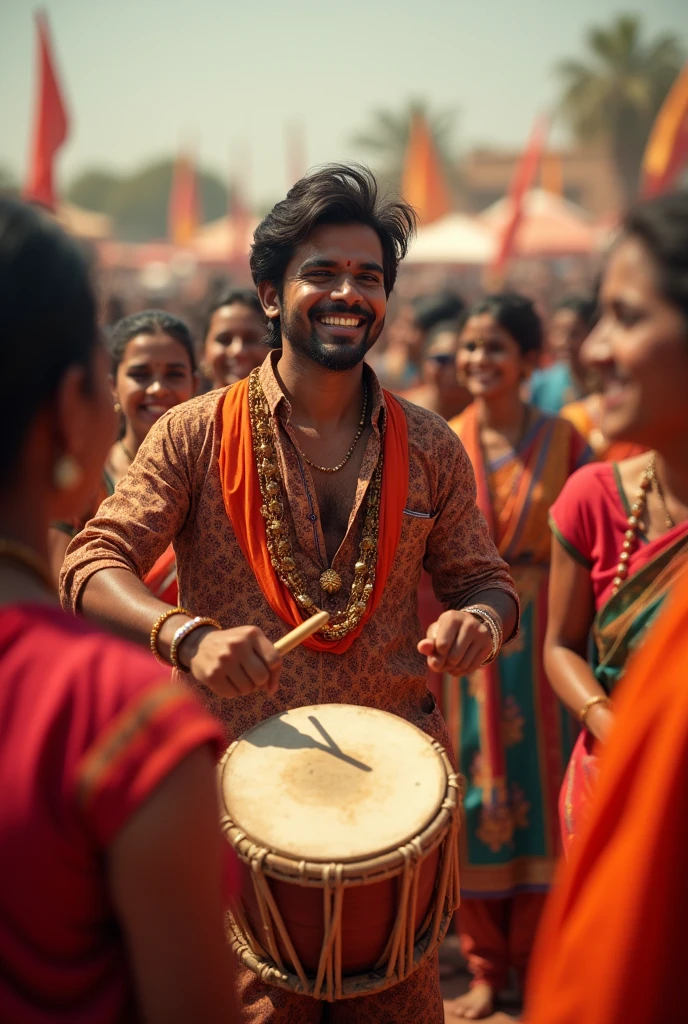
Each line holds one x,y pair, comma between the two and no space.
361,424
277,527
23,555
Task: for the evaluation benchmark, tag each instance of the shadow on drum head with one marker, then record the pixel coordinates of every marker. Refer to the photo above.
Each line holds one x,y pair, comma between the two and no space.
286,736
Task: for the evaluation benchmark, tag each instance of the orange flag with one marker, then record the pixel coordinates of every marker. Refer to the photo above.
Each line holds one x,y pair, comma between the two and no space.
666,152
183,212
522,181
423,183
51,124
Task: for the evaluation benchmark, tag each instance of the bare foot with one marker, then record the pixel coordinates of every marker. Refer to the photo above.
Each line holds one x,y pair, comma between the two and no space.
476,1004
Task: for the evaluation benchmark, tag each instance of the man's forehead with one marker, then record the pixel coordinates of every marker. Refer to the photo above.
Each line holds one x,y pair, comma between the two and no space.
340,243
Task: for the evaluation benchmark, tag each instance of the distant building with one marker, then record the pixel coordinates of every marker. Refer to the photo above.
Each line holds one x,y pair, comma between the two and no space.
584,176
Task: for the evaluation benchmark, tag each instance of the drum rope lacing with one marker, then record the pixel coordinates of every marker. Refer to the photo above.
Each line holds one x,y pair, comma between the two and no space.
400,954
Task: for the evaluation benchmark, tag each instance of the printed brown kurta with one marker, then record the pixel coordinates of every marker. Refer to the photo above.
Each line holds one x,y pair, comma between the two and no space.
172,493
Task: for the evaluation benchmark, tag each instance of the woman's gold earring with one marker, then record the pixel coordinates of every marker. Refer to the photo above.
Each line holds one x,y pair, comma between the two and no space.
118,407
67,473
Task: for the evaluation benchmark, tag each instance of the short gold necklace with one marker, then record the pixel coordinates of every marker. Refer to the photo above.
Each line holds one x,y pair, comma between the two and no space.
361,424
277,528
125,450
23,555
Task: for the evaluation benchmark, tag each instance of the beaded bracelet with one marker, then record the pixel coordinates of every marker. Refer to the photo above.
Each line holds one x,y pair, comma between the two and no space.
590,703
157,626
183,632
494,627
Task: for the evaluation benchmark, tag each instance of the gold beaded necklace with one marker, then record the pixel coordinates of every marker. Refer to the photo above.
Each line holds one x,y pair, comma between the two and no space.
648,478
277,528
361,424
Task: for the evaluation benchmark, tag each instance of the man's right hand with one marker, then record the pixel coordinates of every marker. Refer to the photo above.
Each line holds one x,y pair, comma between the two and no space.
232,662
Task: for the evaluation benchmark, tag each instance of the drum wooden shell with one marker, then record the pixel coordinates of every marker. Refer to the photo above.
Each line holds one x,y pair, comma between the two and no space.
332,928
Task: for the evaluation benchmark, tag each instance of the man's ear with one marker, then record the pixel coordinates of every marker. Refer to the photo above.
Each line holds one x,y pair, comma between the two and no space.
269,299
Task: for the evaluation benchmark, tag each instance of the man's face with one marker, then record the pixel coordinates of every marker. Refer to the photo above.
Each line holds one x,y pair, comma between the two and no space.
333,301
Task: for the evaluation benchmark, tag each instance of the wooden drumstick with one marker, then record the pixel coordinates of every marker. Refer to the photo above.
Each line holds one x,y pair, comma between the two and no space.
291,640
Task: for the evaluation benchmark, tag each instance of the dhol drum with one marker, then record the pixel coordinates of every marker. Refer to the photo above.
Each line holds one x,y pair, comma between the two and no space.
345,821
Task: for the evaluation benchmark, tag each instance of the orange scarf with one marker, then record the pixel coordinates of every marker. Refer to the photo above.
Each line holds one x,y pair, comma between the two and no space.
242,498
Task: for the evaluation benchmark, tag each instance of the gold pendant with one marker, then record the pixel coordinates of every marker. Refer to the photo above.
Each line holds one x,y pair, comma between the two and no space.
331,581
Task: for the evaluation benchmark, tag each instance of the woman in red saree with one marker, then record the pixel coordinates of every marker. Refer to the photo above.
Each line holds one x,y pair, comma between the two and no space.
512,737
110,851
621,529
153,369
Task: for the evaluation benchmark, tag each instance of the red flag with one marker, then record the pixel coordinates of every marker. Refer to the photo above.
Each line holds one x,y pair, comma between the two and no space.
666,152
183,212
522,181
423,183
51,123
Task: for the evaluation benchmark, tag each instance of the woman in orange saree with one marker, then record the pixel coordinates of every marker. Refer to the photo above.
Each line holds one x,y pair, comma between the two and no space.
621,529
512,736
612,943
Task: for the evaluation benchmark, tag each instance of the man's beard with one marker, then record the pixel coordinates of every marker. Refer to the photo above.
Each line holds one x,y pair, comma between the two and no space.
337,356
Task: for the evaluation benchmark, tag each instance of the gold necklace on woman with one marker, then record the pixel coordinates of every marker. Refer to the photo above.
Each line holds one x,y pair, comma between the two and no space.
361,424
125,450
26,557
647,480
277,527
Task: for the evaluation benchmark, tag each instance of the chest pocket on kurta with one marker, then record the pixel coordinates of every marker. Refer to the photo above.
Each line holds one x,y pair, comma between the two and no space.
416,527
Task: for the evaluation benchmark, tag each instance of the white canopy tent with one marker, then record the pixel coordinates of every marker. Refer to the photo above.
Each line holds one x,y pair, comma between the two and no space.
456,238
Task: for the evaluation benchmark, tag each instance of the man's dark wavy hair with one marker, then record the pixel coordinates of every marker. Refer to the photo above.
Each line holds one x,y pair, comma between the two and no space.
333,194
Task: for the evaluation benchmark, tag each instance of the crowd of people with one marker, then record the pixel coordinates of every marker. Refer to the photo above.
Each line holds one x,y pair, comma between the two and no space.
493,509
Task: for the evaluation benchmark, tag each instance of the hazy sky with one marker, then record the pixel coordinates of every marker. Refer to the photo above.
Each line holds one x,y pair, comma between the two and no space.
143,76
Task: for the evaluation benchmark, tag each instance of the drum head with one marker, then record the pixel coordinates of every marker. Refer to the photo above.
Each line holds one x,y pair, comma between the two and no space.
333,782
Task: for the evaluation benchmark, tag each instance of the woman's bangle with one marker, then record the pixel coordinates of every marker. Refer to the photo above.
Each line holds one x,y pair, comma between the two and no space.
183,632
590,703
494,627
155,631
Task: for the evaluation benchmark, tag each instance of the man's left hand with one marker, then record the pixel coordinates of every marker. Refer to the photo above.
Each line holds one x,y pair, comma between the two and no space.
458,643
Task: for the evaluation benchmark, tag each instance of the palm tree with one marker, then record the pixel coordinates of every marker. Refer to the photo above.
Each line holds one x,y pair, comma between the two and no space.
615,96
386,140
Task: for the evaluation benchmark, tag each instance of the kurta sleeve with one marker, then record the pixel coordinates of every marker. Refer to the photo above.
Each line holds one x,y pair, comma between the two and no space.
133,527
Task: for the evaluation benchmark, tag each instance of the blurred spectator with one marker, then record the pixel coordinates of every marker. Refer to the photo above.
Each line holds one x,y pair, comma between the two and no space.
399,366
440,390
564,381
233,337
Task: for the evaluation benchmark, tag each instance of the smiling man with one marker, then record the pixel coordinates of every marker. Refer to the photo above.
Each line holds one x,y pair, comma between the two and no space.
304,487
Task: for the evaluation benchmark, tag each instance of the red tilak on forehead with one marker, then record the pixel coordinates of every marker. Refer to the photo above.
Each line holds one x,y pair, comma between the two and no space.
348,263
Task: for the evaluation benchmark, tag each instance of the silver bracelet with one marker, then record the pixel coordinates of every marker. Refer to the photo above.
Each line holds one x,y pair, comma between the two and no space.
494,627
196,623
